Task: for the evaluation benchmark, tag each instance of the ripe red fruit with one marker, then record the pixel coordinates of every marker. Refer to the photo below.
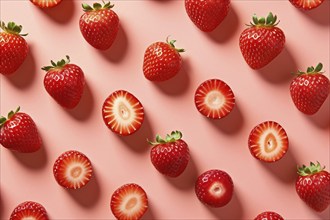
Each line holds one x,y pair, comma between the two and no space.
99,25
46,3
129,202
13,48
207,14
310,89
170,156
313,186
214,99
262,41
29,210
19,132
72,170
214,188
269,216
268,141
162,61
306,4
64,82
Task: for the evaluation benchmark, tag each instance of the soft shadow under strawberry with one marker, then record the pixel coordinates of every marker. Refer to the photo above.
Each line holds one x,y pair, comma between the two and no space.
322,118
149,213
33,161
319,15
61,13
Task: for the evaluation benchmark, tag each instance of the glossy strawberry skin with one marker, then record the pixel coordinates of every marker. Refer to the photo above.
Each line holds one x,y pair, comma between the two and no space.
269,216
46,3
306,4
29,210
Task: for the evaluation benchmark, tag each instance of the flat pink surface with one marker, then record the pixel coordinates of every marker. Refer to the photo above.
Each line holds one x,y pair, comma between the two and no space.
261,95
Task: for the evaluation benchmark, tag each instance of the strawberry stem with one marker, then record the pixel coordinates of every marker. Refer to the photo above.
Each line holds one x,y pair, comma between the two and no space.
171,43
10,115
269,21
12,28
174,136
96,6
309,170
311,70
60,64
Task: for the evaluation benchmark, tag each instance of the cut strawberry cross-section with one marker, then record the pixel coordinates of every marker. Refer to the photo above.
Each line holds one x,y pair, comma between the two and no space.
29,211
46,3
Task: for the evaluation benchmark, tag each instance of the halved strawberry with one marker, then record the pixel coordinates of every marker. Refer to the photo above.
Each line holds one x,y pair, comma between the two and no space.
129,202
214,99
268,141
72,170
123,113
46,3
29,210
306,4
268,216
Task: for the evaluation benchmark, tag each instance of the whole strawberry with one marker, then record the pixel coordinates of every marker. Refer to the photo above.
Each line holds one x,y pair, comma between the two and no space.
170,156
99,25
19,132
262,41
64,82
268,216
306,4
313,186
207,14
13,48
162,61
310,90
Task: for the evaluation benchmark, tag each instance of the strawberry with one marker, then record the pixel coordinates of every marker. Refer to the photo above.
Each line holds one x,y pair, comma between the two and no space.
306,4
72,170
46,3
29,210
268,141
214,99
207,14
214,188
269,216
170,156
99,25
162,61
262,41
310,90
19,132
123,113
13,48
313,186
129,202
64,82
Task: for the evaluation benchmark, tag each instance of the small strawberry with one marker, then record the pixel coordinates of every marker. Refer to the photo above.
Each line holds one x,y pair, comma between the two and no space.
269,216
72,170
262,41
64,82
19,132
129,202
268,141
306,4
313,186
170,156
13,48
99,25
162,61
29,210
207,14
46,3
214,99
122,113
310,90
214,188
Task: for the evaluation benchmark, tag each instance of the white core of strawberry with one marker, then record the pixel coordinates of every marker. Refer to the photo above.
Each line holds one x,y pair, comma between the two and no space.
29,218
215,100
77,173
131,204
217,189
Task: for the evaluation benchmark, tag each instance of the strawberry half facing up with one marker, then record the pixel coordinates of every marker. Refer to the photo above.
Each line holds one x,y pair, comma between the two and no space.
122,113
13,48
19,132
269,216
29,211
214,99
129,202
262,41
64,82
306,4
268,141
46,3
313,186
99,25
310,89
170,156
72,169
207,14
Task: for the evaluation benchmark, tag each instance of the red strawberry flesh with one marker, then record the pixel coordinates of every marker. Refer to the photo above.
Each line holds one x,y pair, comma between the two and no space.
29,211
46,3
306,4
269,216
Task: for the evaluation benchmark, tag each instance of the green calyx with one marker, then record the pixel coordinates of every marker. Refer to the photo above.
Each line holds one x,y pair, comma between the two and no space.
174,136
12,28
311,70
270,21
96,6
171,43
10,115
59,65
310,170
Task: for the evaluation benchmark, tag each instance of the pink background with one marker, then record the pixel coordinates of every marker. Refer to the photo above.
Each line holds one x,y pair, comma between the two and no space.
261,95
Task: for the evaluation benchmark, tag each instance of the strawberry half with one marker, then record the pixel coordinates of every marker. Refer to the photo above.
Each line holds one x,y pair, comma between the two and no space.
214,99
268,141
46,3
269,216
72,170
129,202
123,113
29,210
306,4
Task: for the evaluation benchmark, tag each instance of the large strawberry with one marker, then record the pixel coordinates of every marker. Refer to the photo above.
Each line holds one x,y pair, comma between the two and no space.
99,25
262,41
313,186
19,132
29,210
310,90
46,3
306,4
207,14
162,61
64,82
13,48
